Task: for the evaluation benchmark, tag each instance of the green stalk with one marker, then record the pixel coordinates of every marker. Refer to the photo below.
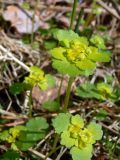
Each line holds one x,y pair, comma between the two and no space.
52,151
68,94
73,13
59,91
89,20
30,104
78,20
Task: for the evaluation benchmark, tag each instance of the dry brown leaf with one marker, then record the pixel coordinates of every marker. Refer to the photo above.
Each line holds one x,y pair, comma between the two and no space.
20,19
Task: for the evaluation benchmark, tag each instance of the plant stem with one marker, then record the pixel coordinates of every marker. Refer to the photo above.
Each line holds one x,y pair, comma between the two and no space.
73,13
78,20
55,141
52,151
59,91
64,109
89,20
30,103
67,94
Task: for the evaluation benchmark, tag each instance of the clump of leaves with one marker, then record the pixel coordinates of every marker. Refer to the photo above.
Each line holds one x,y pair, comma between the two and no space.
77,54
10,154
76,136
24,137
36,129
100,91
11,135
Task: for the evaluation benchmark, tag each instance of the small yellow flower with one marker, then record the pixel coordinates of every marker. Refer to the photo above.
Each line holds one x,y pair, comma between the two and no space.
10,139
86,136
74,130
14,132
77,51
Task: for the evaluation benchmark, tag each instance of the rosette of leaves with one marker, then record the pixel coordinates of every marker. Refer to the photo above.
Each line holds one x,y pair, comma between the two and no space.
77,55
76,136
101,91
37,77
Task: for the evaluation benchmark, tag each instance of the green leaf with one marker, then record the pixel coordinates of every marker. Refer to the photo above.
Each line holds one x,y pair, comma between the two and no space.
88,90
17,88
26,39
66,140
65,36
36,70
86,64
4,135
14,147
77,120
51,106
117,92
104,88
50,44
98,41
108,78
10,155
36,130
102,114
37,124
61,122
96,130
35,45
81,154
98,56
43,32
24,144
83,40
65,67
50,80
57,53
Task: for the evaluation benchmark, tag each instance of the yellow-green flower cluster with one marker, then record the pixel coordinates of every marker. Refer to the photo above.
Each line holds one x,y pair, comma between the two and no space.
76,136
14,133
77,51
80,136
77,54
36,78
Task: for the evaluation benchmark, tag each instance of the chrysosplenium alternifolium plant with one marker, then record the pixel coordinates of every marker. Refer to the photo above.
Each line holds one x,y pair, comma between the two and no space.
38,78
77,55
76,136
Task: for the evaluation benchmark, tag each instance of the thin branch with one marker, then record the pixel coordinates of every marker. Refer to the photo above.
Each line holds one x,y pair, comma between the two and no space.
62,151
7,113
116,6
43,140
111,11
110,129
14,58
40,155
